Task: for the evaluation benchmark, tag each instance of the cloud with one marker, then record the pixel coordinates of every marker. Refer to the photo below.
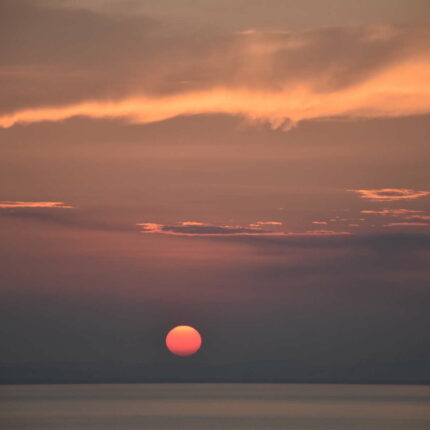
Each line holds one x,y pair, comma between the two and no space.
392,212
185,223
403,92
76,219
407,224
263,223
390,194
14,204
319,222
201,229
418,217
407,214
138,70
318,233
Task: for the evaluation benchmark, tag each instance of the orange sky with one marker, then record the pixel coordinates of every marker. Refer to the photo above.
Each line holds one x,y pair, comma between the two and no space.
258,172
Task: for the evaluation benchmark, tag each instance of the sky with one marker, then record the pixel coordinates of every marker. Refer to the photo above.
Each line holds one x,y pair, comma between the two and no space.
258,170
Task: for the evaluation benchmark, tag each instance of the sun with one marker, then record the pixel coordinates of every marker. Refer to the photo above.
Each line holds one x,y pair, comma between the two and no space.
183,340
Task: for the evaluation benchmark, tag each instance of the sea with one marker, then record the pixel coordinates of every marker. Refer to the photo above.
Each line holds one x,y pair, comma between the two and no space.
214,406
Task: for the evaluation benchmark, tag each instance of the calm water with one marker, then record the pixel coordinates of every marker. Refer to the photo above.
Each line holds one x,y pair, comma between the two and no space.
215,406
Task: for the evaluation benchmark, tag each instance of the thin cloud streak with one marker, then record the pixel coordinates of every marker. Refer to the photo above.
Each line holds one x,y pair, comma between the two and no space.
418,217
260,224
407,224
407,214
13,204
392,212
209,230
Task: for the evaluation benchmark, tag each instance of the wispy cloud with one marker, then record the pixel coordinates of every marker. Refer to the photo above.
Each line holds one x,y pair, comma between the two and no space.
392,212
418,217
209,230
399,92
15,204
407,224
200,229
73,219
390,194
406,214
318,233
280,77
265,223
185,223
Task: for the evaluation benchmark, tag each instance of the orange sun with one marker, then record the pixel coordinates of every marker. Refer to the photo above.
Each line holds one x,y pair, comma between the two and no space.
183,340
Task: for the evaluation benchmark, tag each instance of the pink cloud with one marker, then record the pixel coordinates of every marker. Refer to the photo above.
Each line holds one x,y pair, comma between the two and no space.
399,90
319,233
192,228
14,204
407,224
209,230
391,212
418,217
390,194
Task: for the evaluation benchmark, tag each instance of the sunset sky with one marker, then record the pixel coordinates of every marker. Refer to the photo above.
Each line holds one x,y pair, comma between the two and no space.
258,170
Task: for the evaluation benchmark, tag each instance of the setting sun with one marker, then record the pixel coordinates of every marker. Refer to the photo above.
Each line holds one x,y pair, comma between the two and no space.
183,340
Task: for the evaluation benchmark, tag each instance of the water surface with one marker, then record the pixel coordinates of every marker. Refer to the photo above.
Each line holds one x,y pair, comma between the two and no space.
214,406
